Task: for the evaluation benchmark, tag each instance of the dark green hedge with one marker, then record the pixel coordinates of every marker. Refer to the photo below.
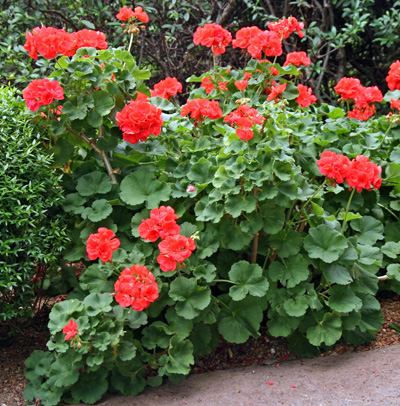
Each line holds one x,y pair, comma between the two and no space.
31,228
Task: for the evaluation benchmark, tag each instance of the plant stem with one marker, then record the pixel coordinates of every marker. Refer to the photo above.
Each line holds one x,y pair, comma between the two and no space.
130,43
386,133
347,210
226,281
102,154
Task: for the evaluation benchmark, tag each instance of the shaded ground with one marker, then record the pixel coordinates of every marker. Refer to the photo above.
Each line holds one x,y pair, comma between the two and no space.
265,351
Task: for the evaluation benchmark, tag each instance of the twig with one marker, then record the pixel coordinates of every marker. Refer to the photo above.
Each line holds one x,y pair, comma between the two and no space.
60,15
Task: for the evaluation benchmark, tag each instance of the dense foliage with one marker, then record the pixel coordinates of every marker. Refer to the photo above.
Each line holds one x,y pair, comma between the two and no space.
247,206
32,232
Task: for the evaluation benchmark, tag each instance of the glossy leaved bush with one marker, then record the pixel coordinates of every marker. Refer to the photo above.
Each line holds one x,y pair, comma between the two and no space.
211,219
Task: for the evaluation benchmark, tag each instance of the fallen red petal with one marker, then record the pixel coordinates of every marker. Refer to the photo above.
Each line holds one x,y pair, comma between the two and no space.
269,383
293,386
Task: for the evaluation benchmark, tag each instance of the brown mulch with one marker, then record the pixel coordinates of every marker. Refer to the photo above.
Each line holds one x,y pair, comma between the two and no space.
32,335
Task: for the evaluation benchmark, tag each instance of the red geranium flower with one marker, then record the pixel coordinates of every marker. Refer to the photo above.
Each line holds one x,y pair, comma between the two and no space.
138,120
334,166
395,104
175,248
244,35
214,37
241,84
209,86
244,117
305,97
200,108
276,91
136,287
125,13
363,174
348,88
160,224
42,92
287,26
393,78
167,88
140,15
267,42
297,59
102,244
364,102
70,330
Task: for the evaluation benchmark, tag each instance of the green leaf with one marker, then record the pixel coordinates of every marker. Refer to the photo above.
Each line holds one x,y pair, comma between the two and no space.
202,172
128,379
296,307
231,236
283,170
393,272
62,312
191,297
291,273
62,151
280,324
100,210
287,243
103,102
392,174
343,299
95,280
206,211
205,270
142,187
370,230
242,320
180,326
371,314
249,280
180,357
73,202
391,249
234,205
93,183
62,374
328,330
336,273
97,303
369,255
299,345
325,243
273,216
157,334
364,281
291,92
91,386
126,349
207,244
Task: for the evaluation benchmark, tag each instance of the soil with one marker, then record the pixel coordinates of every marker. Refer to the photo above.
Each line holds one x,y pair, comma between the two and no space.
17,341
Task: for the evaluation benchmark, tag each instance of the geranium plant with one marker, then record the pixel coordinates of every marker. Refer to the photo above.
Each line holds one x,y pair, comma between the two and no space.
248,201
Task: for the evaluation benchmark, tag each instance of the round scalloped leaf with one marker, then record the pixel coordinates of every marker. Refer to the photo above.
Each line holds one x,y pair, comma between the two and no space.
62,312
142,187
336,273
90,387
93,183
95,280
370,230
97,303
343,300
242,320
180,357
287,243
249,280
328,331
325,243
274,217
234,205
191,297
100,210
291,273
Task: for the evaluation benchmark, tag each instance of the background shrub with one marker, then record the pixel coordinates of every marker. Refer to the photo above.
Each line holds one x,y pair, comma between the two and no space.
31,228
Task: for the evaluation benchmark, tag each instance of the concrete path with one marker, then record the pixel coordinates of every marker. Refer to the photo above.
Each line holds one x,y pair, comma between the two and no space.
370,378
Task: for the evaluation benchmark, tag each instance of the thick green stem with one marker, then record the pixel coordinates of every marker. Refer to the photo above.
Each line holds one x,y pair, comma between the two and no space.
347,210
225,281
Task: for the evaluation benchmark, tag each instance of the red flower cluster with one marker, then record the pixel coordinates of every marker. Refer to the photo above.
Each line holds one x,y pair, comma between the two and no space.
126,13
70,330
136,287
241,84
287,26
276,91
305,97
209,86
359,173
244,117
395,104
363,97
102,244
160,224
297,59
200,108
214,37
393,78
244,35
138,120
267,42
167,88
363,174
42,92
49,41
175,248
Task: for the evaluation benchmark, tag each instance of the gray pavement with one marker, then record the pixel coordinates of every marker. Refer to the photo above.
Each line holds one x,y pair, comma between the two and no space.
370,378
